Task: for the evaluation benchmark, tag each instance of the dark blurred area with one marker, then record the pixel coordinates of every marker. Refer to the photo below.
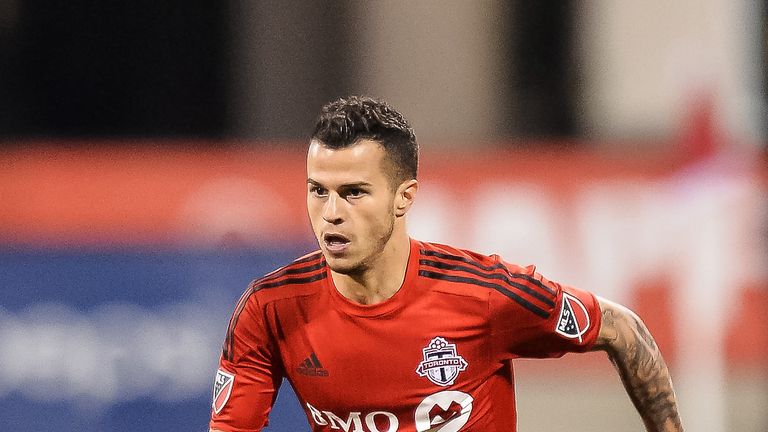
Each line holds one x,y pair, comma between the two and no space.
511,73
169,69
546,68
108,68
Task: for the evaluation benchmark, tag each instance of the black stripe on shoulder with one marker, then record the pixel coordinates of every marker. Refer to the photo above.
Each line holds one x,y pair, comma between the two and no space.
290,270
311,257
294,268
268,281
466,260
498,276
442,255
519,300
229,341
272,283
532,280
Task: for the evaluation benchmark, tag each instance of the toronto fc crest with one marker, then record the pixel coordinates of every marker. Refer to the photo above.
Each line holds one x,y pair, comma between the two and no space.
441,363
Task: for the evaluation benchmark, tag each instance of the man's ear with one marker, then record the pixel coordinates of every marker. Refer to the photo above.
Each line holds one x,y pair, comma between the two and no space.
404,196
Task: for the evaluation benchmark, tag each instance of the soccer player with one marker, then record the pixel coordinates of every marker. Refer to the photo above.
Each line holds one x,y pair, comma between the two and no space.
377,331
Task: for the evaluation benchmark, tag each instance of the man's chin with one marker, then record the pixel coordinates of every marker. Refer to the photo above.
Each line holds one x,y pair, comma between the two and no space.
343,266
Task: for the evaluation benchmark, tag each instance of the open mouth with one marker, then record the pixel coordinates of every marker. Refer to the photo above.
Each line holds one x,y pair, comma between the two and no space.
335,242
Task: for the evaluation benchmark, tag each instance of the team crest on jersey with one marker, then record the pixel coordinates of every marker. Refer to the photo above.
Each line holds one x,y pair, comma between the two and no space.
574,319
441,363
222,388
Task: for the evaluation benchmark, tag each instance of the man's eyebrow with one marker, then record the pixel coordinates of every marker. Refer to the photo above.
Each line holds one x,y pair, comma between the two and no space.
313,182
355,184
345,185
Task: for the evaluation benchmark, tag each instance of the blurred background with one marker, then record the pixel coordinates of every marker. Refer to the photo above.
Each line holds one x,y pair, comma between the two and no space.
151,165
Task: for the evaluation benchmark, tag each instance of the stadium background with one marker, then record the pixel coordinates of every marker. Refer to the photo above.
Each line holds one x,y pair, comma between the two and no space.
152,163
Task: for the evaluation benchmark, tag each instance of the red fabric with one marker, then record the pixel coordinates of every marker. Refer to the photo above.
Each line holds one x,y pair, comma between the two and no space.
356,367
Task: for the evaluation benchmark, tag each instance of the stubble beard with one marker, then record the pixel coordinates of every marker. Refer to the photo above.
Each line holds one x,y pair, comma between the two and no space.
362,265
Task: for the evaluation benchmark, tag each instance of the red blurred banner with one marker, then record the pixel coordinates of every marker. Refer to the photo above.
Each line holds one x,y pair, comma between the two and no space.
54,196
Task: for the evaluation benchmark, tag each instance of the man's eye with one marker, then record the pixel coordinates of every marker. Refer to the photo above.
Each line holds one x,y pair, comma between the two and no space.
316,190
355,193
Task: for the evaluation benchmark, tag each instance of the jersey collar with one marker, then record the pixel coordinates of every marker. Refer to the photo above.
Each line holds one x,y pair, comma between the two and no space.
390,305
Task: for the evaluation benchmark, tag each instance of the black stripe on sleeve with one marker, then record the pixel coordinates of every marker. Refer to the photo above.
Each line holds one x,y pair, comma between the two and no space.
290,281
311,257
499,276
497,266
229,342
295,264
291,270
519,300
534,281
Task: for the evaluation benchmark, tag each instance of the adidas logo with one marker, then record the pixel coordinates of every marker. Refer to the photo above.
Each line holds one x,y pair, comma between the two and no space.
311,366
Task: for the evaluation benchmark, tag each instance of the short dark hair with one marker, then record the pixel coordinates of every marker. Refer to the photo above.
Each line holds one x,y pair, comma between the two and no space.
343,122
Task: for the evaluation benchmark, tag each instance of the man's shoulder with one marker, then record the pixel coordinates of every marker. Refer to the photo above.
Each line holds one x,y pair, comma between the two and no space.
468,273
430,250
460,255
460,267
300,277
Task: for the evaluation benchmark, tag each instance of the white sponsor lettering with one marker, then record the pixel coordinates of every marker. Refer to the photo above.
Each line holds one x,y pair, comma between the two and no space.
446,411
338,423
370,421
317,416
353,422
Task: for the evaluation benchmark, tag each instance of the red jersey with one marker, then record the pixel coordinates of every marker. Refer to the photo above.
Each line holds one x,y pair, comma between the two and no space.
435,356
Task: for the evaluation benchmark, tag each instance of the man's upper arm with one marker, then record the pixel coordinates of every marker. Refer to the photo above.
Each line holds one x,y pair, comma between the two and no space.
251,373
541,318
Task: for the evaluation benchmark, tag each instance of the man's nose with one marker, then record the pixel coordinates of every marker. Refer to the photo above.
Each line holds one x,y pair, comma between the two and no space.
332,212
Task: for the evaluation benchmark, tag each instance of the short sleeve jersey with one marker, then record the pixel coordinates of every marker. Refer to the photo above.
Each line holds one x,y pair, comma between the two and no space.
435,356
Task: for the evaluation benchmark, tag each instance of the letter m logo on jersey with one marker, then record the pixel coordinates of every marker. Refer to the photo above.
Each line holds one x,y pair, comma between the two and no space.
441,363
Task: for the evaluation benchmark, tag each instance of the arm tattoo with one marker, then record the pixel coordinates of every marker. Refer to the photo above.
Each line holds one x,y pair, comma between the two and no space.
638,360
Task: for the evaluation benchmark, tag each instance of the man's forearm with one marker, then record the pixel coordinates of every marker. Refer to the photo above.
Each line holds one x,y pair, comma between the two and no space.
638,360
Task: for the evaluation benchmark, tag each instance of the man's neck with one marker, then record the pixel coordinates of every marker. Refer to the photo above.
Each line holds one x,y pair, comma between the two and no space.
382,277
